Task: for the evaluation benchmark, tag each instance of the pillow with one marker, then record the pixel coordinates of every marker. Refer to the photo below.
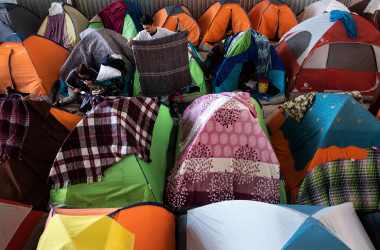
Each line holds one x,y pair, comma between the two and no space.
247,225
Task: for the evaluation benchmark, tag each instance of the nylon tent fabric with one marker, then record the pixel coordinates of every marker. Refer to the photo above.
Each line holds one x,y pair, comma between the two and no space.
128,182
30,65
247,224
22,226
320,7
216,21
7,34
178,18
222,130
152,226
272,19
319,56
74,24
21,20
25,179
243,49
336,127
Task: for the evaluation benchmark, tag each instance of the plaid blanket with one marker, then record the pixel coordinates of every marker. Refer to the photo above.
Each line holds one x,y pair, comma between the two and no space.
14,123
336,182
115,128
169,74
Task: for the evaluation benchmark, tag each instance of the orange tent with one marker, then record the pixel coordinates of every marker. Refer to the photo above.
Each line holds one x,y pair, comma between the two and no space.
178,18
152,226
32,66
272,18
219,18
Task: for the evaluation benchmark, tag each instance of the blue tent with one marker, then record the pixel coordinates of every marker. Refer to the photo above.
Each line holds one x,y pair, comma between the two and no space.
333,120
244,48
7,34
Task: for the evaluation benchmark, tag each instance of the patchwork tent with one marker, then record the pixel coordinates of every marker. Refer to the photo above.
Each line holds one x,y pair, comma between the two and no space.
129,181
336,127
122,16
223,153
21,226
221,17
321,7
25,178
255,225
65,33
367,8
178,18
29,67
249,53
272,18
19,19
145,226
320,56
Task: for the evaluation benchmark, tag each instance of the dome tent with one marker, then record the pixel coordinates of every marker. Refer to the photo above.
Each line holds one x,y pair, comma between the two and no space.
272,18
74,24
178,18
320,7
220,18
319,55
19,19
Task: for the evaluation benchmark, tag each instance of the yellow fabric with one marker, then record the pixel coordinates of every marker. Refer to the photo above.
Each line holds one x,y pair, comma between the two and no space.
65,232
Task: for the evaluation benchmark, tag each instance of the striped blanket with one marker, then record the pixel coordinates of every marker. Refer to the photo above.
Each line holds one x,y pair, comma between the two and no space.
163,64
356,181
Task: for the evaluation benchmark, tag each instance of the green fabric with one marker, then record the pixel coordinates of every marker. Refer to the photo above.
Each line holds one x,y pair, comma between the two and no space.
283,195
260,117
241,45
129,28
125,184
96,25
197,76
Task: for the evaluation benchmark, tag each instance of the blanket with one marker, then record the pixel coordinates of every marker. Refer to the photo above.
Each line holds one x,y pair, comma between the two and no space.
116,127
163,64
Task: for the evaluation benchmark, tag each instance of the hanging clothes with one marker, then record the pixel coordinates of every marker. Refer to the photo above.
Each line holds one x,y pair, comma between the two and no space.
55,30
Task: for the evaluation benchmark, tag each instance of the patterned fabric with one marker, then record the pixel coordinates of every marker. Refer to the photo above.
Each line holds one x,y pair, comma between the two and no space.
14,123
169,75
336,182
224,155
115,128
263,55
298,107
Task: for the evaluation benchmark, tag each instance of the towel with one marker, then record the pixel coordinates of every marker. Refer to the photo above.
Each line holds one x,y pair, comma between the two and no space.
347,20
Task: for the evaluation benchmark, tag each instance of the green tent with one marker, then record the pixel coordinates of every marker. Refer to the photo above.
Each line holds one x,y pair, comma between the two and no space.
128,182
129,27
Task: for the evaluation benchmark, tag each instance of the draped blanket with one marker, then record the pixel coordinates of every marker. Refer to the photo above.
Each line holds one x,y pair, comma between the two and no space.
224,155
163,64
116,127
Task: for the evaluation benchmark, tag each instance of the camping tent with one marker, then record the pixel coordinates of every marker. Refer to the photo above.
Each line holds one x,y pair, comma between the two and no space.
29,66
144,226
242,58
336,127
74,24
129,181
319,55
25,178
7,34
253,225
21,226
21,20
122,16
320,7
223,153
367,8
272,18
220,18
178,18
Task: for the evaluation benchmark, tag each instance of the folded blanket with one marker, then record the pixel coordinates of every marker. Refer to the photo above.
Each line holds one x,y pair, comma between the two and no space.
116,127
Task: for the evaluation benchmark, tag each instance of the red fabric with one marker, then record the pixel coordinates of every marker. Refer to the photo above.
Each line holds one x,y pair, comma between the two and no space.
335,79
113,15
290,62
23,232
367,33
